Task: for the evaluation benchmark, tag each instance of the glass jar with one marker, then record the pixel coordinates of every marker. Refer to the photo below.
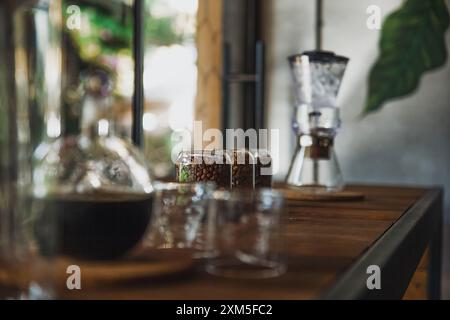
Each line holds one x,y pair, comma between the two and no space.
239,168
204,165
243,168
251,169
263,169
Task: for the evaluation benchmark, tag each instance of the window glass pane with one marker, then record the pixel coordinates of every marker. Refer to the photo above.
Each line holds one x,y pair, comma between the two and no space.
170,77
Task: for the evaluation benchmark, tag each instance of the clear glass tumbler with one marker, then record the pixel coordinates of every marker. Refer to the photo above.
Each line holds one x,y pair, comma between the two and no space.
179,216
245,234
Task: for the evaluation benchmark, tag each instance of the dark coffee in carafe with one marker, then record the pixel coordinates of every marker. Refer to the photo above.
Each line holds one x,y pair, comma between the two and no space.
98,226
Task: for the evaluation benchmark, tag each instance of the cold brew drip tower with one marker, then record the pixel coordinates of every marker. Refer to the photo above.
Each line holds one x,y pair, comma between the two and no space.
317,76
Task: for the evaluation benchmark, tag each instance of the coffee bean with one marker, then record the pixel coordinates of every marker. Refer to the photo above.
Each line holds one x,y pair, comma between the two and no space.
205,171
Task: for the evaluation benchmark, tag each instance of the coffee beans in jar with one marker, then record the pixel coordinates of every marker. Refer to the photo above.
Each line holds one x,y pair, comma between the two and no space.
243,169
237,168
263,169
205,165
251,169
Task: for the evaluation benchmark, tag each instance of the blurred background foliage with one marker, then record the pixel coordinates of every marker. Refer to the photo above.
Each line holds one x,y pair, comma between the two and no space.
105,40
412,42
107,29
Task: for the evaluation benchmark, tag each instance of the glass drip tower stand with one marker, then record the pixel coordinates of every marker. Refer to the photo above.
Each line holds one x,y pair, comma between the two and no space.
317,76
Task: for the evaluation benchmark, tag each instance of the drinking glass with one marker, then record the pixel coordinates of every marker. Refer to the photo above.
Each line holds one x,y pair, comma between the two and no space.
245,234
179,216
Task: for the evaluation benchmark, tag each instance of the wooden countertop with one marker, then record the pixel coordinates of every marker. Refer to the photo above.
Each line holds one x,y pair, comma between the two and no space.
329,245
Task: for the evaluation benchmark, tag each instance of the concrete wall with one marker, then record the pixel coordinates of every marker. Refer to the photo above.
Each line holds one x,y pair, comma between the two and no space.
408,142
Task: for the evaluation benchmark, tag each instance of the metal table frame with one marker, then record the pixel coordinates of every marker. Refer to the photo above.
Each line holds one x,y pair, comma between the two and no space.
398,252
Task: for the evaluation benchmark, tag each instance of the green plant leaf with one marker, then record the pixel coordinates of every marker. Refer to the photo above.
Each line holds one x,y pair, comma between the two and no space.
412,43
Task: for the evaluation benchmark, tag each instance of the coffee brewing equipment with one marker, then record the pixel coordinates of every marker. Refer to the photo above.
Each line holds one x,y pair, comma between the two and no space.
66,185
317,76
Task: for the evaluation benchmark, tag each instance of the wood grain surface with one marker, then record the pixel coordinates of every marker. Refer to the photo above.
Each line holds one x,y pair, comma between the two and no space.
323,240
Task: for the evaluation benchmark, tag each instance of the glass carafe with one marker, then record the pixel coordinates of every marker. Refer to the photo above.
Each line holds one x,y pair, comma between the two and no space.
317,77
95,186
